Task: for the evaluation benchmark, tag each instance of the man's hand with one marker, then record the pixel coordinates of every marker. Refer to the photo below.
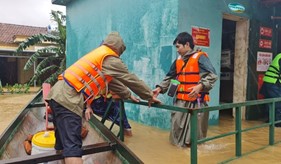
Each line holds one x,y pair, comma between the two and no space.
114,95
153,100
195,90
88,113
134,99
156,91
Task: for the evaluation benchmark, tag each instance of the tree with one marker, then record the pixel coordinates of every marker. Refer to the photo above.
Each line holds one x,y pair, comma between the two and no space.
54,57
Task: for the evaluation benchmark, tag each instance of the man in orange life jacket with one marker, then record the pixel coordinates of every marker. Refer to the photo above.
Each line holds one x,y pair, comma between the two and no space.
196,75
98,71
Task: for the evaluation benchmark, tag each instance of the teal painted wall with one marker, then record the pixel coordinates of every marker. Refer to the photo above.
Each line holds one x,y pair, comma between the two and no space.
148,29
209,14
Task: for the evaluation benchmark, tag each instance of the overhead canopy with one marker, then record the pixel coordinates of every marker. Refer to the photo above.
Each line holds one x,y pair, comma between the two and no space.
60,2
271,2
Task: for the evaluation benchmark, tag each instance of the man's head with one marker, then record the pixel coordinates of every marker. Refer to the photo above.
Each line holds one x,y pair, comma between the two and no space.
183,43
115,42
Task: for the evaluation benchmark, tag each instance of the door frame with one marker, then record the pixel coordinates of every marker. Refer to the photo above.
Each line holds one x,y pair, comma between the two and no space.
240,74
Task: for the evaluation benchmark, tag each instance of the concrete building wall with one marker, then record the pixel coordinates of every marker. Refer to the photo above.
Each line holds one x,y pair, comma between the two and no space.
148,29
210,14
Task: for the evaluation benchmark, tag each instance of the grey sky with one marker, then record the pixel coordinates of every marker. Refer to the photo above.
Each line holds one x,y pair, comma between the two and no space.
27,12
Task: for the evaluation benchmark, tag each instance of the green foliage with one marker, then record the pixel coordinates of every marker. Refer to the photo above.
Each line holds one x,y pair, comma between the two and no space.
9,88
26,88
54,60
16,88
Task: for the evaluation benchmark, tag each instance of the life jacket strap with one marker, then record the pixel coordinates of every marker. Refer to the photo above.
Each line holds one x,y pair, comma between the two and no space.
188,83
99,72
186,92
94,80
188,73
82,81
203,96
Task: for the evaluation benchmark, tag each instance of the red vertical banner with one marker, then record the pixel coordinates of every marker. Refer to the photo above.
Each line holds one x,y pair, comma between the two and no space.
260,82
264,58
265,40
201,36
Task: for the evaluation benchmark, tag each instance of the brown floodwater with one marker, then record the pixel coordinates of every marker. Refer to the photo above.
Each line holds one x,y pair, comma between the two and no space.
10,107
152,146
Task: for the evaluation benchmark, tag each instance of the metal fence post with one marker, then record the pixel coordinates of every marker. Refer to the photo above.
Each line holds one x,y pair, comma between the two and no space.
193,137
121,116
238,135
272,122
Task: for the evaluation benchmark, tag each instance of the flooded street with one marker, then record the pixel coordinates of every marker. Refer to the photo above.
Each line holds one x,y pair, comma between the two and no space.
10,107
152,146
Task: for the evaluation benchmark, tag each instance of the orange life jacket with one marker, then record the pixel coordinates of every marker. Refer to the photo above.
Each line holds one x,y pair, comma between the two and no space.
85,75
188,76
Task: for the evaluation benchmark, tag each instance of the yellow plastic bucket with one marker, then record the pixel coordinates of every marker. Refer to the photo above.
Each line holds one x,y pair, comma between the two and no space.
43,142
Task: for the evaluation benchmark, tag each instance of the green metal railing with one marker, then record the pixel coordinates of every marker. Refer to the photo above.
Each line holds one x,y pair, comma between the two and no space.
238,123
120,115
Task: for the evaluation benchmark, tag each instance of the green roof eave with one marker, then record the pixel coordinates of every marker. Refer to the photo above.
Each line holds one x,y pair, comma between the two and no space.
61,2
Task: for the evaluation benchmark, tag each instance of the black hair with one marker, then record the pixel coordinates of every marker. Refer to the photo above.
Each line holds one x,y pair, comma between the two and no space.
183,38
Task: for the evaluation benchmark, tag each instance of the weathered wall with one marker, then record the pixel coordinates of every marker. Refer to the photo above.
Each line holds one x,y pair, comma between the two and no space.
209,14
148,29
261,16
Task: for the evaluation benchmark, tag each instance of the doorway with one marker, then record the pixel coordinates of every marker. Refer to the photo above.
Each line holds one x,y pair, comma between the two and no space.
227,64
234,72
8,73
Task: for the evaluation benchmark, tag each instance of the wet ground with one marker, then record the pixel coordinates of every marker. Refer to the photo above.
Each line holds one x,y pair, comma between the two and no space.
152,146
10,107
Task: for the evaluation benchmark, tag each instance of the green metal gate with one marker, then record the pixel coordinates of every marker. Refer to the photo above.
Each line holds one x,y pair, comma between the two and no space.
238,124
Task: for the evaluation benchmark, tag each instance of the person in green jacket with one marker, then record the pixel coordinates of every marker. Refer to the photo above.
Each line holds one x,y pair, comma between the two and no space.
271,87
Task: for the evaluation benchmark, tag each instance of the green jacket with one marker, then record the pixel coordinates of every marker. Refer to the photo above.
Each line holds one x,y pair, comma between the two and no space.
273,72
